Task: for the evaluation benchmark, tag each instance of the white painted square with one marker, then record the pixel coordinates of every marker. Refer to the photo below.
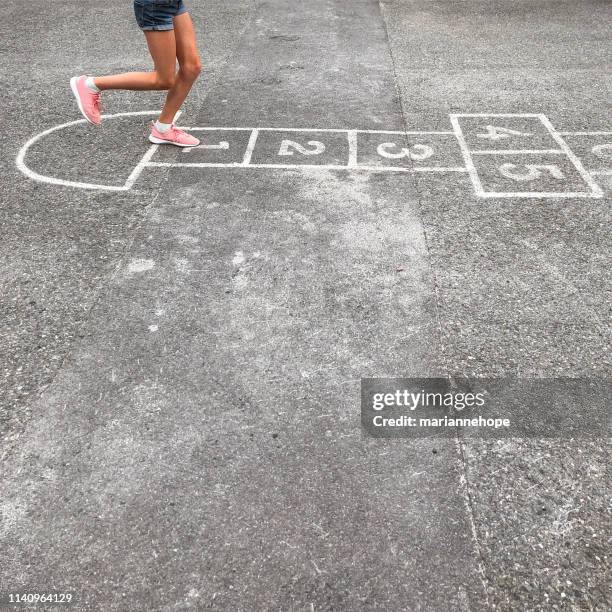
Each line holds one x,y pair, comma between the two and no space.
217,146
420,152
291,148
529,175
506,133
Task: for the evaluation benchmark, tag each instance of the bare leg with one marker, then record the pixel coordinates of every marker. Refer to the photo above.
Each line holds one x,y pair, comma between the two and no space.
165,48
189,66
162,46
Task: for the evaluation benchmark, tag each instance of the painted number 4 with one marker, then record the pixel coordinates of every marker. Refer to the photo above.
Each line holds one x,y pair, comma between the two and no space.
497,133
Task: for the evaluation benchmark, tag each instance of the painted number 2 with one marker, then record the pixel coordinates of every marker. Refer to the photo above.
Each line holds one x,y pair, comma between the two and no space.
497,133
529,172
289,147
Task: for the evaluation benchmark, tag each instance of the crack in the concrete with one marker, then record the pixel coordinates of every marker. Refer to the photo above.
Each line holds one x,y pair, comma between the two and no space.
413,175
471,515
465,484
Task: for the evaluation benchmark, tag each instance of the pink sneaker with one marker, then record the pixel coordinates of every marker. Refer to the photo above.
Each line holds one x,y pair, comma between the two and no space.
88,101
173,136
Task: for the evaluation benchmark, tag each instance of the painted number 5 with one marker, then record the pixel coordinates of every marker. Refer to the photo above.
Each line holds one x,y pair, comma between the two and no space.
288,147
529,172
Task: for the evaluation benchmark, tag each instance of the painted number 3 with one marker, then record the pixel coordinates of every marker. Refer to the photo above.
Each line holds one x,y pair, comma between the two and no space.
529,172
418,152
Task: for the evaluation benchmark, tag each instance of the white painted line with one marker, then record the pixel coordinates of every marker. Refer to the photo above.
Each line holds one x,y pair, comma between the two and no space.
432,169
50,180
467,157
197,165
538,194
327,130
246,160
519,152
142,164
408,133
588,179
584,133
352,140
601,172
496,115
297,166
218,129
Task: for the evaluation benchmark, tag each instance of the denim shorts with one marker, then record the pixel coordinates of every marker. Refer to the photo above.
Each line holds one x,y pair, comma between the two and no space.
158,14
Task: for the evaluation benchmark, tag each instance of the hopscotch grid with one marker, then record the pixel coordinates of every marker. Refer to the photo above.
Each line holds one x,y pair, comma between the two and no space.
352,135
595,190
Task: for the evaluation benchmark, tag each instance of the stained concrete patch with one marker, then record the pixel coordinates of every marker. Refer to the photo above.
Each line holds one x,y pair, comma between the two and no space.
137,266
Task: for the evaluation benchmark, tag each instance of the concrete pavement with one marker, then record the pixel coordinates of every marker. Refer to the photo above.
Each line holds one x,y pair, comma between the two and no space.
182,359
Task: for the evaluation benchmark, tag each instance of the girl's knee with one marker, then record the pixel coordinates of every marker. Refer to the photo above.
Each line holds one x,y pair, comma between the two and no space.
192,68
164,81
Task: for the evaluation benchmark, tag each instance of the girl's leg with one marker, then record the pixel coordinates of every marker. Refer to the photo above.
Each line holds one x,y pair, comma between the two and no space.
190,66
163,49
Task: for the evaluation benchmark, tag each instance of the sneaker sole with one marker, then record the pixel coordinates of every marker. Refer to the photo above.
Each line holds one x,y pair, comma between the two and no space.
158,141
75,91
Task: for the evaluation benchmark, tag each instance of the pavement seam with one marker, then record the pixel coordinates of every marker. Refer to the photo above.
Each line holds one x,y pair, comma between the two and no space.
471,515
413,175
463,475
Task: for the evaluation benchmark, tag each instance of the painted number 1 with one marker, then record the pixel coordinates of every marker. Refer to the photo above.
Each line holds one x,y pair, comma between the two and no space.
222,146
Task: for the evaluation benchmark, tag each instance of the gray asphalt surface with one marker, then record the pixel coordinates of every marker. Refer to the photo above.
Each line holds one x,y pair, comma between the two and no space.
179,397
